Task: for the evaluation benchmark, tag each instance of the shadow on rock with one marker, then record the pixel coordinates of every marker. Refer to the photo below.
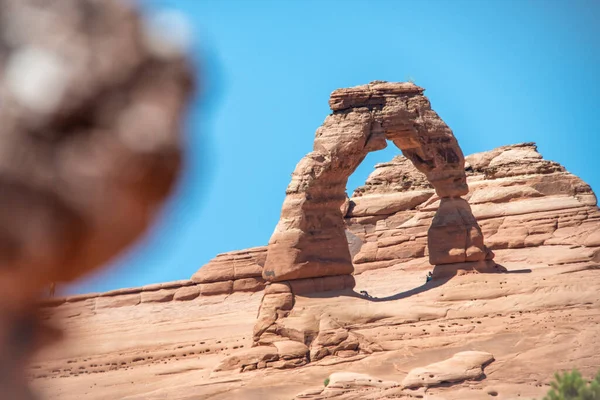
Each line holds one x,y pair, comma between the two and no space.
403,295
437,282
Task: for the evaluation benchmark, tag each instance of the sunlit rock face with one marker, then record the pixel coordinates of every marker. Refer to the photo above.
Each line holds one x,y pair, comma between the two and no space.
518,199
311,247
310,241
90,119
197,336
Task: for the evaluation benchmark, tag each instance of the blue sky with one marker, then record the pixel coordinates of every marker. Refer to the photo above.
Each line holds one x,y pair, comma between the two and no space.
498,72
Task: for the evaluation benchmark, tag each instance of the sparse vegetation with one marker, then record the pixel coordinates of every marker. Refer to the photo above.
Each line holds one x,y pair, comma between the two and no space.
326,382
572,386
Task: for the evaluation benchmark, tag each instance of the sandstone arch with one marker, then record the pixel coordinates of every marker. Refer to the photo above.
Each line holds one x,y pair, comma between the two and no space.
309,240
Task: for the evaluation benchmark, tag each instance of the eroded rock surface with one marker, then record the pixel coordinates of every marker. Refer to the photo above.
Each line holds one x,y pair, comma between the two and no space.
345,385
540,317
518,199
241,269
466,365
309,240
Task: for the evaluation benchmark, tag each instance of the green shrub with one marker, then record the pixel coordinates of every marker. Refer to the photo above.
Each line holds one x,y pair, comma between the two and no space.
572,386
326,382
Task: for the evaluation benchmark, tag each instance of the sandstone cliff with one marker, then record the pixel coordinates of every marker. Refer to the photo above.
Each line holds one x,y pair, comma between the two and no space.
509,331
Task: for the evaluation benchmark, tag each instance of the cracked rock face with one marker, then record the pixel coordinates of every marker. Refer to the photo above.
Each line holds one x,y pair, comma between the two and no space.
310,241
90,110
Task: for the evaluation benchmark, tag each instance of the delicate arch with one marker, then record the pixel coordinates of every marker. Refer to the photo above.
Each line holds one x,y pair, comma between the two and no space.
309,240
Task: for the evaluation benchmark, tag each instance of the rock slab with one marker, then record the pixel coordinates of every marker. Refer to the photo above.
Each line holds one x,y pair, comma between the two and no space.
466,365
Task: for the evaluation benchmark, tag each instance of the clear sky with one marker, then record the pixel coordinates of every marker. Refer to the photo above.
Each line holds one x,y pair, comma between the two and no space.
498,72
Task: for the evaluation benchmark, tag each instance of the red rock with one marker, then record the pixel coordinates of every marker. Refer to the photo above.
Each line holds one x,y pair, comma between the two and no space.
462,268
309,240
279,301
168,285
368,266
247,357
82,297
289,349
546,305
502,194
231,266
123,300
248,285
377,204
278,287
324,284
284,364
214,272
398,175
402,251
352,380
592,239
367,253
509,238
215,288
454,235
467,365
187,293
158,296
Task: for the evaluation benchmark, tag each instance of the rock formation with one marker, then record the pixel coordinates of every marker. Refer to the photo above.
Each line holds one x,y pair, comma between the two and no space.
310,240
466,365
515,196
462,366
90,115
540,317
233,272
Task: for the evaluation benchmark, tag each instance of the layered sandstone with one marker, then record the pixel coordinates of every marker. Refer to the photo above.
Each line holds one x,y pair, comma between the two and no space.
309,240
377,341
236,271
518,198
387,219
